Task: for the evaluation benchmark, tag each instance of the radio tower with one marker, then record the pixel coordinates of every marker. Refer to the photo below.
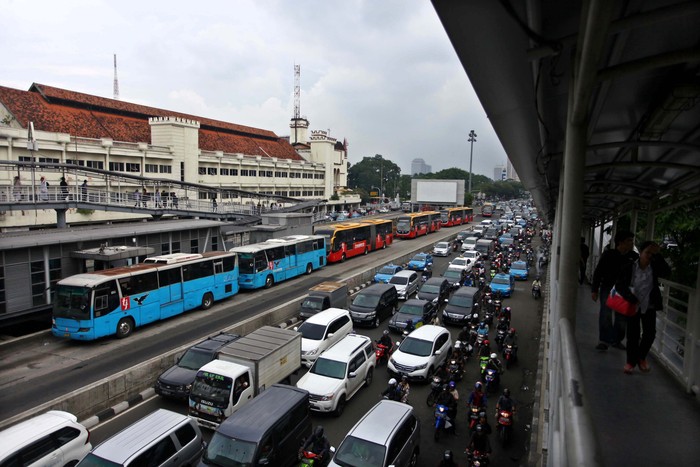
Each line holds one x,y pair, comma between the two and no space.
297,81
116,81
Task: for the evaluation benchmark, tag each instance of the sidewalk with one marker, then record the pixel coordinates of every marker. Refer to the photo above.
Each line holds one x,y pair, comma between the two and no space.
641,419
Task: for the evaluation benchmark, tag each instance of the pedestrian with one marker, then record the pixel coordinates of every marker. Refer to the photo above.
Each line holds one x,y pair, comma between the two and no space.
137,197
156,198
17,189
64,188
43,189
84,190
214,206
638,283
611,325
164,198
583,261
173,195
144,197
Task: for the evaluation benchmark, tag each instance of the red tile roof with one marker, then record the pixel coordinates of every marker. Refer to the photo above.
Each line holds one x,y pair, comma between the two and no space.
62,111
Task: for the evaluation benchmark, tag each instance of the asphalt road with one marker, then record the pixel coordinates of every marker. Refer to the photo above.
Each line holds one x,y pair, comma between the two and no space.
521,379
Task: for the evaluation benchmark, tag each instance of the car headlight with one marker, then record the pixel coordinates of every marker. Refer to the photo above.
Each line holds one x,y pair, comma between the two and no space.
312,352
187,387
328,397
392,361
421,367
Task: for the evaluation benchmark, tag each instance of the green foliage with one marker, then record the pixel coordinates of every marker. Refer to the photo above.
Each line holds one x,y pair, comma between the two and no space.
375,172
681,226
85,212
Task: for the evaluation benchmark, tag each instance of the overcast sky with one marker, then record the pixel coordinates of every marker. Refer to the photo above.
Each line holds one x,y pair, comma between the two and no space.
381,73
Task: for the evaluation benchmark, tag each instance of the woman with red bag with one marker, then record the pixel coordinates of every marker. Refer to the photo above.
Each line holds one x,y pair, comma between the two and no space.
638,283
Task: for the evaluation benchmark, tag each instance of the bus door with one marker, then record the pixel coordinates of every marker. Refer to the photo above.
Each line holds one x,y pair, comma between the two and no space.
422,228
170,282
291,261
106,309
143,297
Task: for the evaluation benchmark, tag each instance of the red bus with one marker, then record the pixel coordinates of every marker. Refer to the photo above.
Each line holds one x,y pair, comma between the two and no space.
381,231
345,240
417,223
453,216
487,210
468,214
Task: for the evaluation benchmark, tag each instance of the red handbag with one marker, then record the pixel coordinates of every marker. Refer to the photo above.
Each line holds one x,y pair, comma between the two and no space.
617,302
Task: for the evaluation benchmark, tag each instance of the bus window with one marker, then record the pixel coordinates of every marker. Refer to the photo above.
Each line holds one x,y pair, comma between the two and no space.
198,270
260,261
106,298
169,277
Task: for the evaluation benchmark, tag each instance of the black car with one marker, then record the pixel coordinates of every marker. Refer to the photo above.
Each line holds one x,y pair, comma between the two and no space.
176,381
435,288
418,311
461,306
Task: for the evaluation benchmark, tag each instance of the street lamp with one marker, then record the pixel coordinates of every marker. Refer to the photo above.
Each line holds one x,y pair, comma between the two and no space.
472,140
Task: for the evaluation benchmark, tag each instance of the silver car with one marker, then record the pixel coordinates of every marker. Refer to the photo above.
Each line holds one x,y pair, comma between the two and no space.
441,249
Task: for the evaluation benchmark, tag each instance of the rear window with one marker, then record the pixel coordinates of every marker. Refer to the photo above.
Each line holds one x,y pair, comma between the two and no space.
399,280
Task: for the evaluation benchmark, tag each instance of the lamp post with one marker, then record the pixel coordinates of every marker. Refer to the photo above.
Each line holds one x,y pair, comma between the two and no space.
472,140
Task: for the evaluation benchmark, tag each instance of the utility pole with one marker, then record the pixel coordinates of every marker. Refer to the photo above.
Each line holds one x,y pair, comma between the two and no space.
472,140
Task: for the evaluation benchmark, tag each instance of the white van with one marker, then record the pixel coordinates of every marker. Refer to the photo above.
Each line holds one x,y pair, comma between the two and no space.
322,330
53,438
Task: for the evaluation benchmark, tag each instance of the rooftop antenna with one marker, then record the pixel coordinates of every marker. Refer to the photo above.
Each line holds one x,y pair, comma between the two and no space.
297,105
116,81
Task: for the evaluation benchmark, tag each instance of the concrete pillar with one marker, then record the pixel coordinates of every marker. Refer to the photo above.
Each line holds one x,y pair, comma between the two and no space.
61,218
634,217
651,220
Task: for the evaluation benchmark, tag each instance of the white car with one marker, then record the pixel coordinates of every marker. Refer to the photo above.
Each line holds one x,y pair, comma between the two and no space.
339,373
469,243
463,263
441,249
421,352
322,330
472,255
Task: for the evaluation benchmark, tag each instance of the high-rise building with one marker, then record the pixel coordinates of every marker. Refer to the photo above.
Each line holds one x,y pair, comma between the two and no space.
511,174
418,166
499,173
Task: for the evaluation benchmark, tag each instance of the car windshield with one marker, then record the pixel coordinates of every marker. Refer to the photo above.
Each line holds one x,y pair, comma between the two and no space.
430,288
387,270
501,280
508,241
459,262
194,359
312,331
418,347
461,301
366,301
399,280
521,266
229,452
312,303
408,309
359,452
441,245
329,368
453,275
418,258
91,460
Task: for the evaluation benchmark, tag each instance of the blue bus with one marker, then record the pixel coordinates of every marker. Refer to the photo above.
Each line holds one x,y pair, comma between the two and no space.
115,301
278,259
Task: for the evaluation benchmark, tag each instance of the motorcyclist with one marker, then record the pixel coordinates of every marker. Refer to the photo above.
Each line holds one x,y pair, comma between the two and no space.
506,311
459,354
318,444
494,363
483,329
404,389
477,397
447,460
483,421
385,340
427,272
511,339
463,335
505,402
447,399
391,392
485,349
537,282
452,388
479,442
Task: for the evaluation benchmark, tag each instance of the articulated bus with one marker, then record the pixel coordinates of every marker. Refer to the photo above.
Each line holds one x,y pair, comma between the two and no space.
417,223
487,210
381,232
456,216
115,301
346,239
277,259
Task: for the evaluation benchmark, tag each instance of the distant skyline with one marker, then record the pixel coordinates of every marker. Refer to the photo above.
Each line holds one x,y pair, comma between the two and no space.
381,74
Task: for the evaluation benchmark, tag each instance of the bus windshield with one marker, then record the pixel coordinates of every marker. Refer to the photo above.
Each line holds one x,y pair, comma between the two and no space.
246,263
72,302
403,224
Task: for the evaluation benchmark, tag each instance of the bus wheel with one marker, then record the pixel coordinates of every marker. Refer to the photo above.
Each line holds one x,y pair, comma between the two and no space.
366,250
207,301
342,258
384,246
269,281
309,269
124,327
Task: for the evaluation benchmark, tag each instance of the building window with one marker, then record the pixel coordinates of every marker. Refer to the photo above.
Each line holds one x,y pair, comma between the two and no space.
211,171
224,171
214,243
202,171
308,175
49,160
165,169
3,299
116,166
133,167
39,285
75,162
95,164
234,172
164,248
281,174
151,168
248,173
295,175
175,248
194,246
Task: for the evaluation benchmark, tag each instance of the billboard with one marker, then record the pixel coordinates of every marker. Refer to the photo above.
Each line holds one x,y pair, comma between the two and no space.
441,192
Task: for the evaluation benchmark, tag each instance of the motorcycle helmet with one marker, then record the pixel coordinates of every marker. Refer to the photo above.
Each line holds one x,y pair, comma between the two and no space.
486,342
482,414
493,356
386,332
479,428
452,385
318,432
447,456
465,329
404,378
478,385
392,382
475,316
458,345
507,309
506,392
511,331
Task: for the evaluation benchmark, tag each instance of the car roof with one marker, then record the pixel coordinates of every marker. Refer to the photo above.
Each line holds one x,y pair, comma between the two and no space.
415,301
405,272
33,428
435,280
329,314
346,346
427,332
216,342
464,290
373,426
520,263
502,275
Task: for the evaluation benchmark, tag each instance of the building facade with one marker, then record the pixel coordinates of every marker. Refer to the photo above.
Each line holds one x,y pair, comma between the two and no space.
418,166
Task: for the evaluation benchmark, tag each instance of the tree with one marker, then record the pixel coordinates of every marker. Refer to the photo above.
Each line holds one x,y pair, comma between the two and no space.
374,174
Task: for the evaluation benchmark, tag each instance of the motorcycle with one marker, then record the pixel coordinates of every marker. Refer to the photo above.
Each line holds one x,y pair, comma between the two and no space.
483,361
536,292
477,459
500,337
455,370
488,317
504,426
473,417
510,354
435,390
442,420
307,458
382,353
491,379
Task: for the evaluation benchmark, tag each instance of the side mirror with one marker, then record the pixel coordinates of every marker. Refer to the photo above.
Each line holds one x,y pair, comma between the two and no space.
352,374
296,328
